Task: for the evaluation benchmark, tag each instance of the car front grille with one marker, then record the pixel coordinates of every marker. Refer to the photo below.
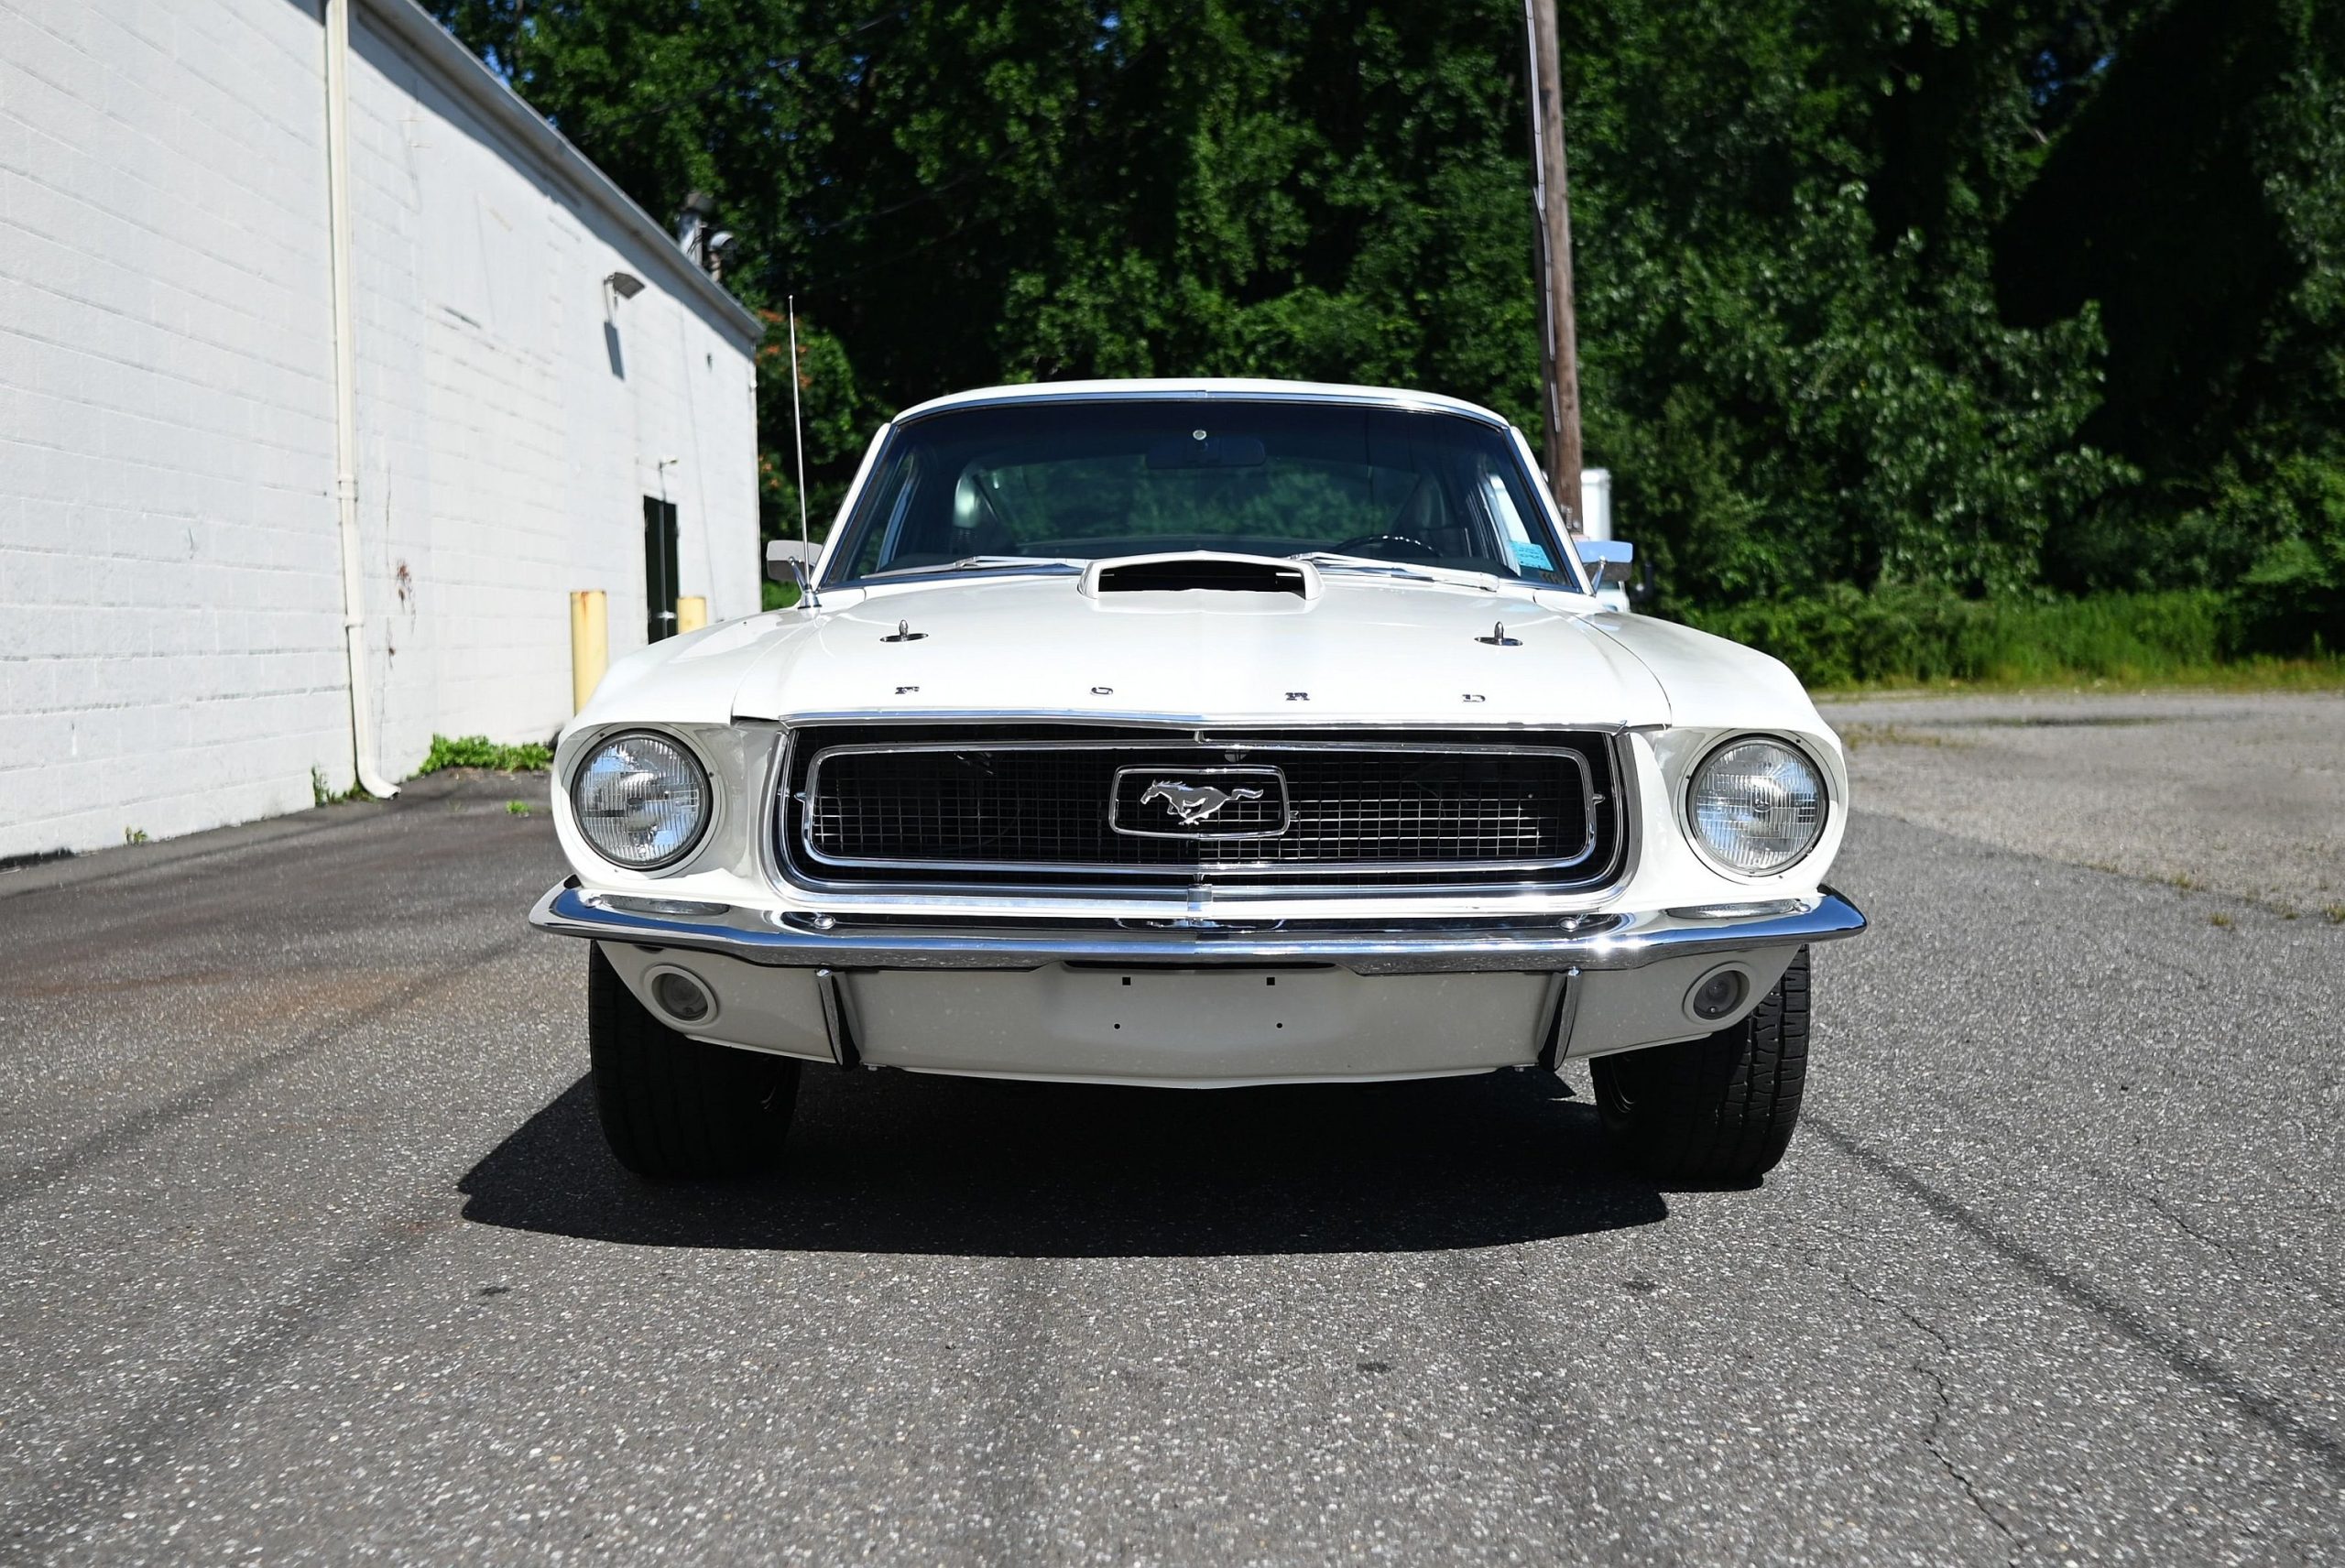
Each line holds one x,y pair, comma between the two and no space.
1077,806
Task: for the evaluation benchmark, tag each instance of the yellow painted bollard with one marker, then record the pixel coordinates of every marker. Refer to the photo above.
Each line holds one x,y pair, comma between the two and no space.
691,614
590,642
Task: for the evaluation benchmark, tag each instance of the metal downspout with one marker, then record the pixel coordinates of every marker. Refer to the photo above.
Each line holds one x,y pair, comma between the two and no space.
346,396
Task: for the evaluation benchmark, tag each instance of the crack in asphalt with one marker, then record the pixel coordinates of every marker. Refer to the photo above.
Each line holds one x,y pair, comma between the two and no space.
2158,961
1935,1438
26,1180
2212,1377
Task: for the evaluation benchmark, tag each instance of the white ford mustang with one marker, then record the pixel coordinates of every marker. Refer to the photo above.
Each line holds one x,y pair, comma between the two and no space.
1199,733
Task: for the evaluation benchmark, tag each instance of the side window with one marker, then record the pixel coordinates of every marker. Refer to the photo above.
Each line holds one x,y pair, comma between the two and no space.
660,567
1514,534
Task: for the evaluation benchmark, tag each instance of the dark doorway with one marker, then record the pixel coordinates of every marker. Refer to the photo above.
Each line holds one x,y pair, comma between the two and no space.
659,566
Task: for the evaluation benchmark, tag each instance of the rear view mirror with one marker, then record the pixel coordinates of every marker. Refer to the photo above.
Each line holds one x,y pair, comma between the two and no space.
1202,451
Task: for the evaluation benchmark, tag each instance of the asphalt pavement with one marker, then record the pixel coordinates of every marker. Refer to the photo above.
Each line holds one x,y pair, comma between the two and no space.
2239,791
309,1251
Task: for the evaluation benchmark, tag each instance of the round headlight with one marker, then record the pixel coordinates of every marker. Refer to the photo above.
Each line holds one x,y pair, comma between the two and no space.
1756,805
641,800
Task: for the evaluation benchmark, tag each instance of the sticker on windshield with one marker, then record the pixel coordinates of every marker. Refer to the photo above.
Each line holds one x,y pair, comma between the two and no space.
1533,555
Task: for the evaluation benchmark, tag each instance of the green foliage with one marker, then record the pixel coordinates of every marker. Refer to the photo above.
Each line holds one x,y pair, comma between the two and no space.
479,751
1966,295
325,794
1899,637
2293,596
2199,200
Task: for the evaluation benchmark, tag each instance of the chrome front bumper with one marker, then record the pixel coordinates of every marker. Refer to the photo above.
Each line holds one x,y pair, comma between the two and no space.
1588,942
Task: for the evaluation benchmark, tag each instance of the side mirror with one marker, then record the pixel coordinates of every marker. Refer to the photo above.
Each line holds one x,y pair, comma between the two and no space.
787,560
1606,561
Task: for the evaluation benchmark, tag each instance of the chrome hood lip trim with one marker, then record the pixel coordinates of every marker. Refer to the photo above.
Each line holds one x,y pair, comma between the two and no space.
1207,730
1606,942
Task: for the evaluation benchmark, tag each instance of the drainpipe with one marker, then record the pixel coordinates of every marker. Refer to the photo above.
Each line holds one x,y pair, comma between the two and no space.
346,396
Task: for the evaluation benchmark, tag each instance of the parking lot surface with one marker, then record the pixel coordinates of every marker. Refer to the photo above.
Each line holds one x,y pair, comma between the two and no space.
309,1251
2239,792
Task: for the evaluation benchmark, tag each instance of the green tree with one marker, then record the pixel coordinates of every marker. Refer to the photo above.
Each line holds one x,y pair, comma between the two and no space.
1940,293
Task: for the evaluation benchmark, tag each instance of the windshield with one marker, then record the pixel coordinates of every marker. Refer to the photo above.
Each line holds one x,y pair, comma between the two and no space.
992,487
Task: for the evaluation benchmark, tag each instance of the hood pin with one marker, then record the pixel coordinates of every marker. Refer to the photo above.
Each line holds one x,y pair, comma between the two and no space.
1497,638
904,633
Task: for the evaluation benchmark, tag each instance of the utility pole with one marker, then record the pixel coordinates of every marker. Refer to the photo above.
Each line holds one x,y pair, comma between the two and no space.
1559,328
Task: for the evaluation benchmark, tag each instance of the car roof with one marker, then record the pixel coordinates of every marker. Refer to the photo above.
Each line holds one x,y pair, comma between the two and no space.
1203,388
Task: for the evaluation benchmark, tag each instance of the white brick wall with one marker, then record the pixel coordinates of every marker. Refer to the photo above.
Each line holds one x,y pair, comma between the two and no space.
170,651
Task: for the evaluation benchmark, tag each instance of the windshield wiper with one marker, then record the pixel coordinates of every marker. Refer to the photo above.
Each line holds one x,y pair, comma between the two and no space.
980,564
1329,559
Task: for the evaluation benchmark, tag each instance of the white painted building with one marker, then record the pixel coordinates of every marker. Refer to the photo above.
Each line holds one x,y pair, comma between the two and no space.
172,650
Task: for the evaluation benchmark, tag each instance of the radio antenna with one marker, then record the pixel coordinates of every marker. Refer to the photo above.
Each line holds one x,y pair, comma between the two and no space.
798,436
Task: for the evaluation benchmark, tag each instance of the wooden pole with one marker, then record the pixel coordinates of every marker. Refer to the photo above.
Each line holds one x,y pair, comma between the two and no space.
1559,328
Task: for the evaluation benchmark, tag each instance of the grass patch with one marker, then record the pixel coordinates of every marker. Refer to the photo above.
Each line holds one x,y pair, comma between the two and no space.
1898,638
519,808
1857,735
479,751
325,794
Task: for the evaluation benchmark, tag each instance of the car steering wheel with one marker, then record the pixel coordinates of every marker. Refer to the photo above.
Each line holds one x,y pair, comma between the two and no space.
1366,545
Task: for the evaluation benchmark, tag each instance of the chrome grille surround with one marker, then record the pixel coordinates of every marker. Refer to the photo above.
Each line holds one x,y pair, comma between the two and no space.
1005,807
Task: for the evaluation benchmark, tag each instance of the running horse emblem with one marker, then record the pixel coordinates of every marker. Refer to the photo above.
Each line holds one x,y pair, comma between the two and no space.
1194,803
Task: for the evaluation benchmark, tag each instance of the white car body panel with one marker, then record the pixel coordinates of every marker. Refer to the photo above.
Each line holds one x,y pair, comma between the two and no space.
1366,650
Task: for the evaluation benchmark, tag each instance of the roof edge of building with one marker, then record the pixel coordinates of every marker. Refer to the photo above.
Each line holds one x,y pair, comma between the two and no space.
412,24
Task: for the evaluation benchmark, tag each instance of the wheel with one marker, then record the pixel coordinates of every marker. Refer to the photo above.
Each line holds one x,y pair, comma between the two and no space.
675,1108
1717,1110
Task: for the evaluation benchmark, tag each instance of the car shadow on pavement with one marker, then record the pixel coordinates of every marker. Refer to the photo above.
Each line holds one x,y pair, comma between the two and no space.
897,1162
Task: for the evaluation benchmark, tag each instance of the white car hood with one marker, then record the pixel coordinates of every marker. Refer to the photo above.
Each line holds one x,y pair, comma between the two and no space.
1365,650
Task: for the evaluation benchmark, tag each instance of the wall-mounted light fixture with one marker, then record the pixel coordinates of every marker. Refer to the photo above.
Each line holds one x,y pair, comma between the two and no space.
720,251
621,286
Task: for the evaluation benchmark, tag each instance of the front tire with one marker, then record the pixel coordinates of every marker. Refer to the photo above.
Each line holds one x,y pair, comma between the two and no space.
1716,1111
674,1108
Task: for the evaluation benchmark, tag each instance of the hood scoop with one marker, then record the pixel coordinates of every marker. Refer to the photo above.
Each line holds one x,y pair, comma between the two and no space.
1201,571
